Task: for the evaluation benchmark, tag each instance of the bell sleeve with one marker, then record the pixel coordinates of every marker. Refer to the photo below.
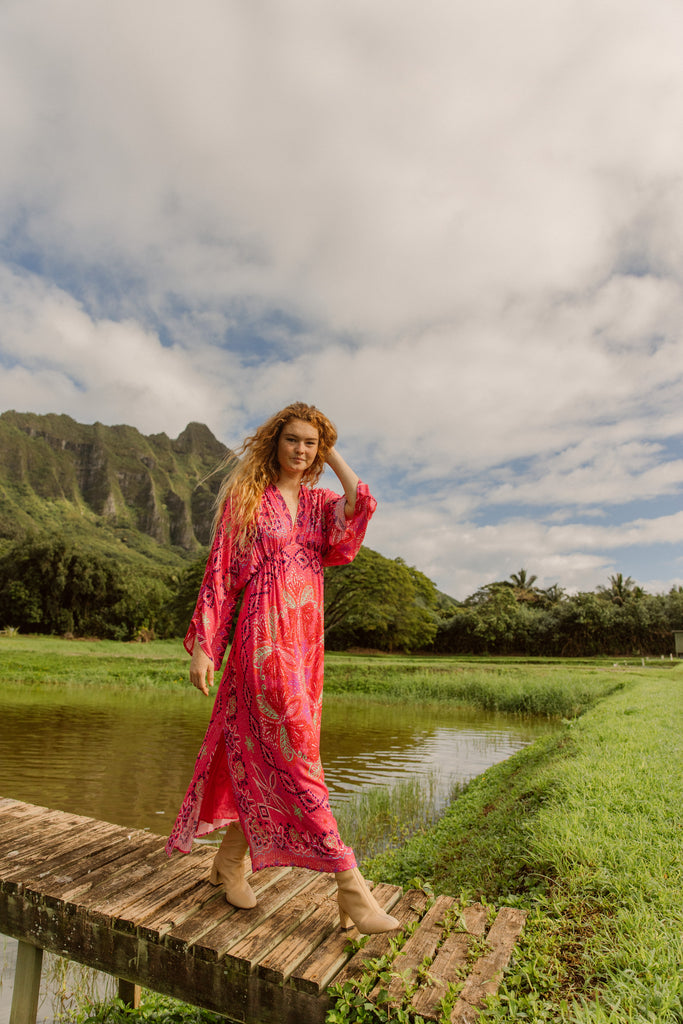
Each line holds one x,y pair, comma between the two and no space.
343,537
225,575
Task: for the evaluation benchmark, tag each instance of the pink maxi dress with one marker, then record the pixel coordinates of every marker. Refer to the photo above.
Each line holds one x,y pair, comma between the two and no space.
259,763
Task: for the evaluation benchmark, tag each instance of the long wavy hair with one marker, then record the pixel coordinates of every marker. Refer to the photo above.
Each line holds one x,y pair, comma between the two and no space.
257,466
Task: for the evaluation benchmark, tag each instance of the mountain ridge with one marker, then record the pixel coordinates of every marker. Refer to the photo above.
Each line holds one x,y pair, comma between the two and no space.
152,493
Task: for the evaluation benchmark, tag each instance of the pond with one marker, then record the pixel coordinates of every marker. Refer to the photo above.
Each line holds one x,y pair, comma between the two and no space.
128,757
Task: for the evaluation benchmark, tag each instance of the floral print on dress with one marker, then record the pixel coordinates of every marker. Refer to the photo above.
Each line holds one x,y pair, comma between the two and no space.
259,763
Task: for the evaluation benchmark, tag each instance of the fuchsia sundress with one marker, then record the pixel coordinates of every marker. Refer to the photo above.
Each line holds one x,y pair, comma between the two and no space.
260,759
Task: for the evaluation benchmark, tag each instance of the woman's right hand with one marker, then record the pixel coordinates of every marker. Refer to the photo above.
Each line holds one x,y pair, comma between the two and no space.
201,669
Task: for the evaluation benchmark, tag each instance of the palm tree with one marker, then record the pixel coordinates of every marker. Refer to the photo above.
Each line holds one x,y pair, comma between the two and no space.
620,590
552,595
523,586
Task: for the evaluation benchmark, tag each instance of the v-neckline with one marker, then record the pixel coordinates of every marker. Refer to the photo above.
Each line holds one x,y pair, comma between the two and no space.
292,518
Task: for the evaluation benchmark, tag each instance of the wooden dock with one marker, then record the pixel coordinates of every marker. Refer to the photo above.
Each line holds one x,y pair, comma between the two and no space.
110,898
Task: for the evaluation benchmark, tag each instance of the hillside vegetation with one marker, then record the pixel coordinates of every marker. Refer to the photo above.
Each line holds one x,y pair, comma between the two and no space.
112,488
99,524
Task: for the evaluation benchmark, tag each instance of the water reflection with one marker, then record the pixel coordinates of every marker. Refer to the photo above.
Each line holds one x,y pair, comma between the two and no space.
370,745
128,758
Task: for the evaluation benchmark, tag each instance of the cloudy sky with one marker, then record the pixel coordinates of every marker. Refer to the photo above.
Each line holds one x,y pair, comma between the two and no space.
455,227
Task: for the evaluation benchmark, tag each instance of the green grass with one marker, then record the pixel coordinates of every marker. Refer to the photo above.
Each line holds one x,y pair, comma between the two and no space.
154,1008
585,830
387,815
559,689
50,661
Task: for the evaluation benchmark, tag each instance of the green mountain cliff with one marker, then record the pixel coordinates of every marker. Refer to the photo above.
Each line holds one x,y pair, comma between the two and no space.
111,488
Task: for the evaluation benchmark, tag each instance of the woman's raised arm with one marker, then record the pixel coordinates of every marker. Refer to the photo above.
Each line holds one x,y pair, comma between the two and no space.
347,478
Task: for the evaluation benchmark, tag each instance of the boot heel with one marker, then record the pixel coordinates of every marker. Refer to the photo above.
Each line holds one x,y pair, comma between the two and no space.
345,921
213,875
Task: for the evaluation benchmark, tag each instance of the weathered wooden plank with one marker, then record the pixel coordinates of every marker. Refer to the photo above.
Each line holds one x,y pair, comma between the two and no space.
280,962
171,914
26,984
49,823
318,971
97,836
59,860
110,863
13,810
108,897
182,938
282,1004
250,950
216,943
12,822
230,993
188,934
449,963
39,847
422,943
14,829
465,1013
161,886
33,859
9,807
123,955
487,972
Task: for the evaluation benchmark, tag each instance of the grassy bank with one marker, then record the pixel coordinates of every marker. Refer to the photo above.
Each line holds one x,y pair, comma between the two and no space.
51,661
584,829
559,688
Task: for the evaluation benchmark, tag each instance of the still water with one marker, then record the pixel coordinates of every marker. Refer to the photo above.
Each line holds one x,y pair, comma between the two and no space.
128,758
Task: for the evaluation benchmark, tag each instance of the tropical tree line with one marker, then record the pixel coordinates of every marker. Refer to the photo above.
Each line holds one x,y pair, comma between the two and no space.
514,616
51,585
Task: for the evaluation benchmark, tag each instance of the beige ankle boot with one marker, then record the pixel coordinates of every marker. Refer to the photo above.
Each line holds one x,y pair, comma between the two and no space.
228,869
358,906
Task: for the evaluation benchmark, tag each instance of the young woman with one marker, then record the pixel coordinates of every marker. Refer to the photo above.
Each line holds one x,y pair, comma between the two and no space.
258,771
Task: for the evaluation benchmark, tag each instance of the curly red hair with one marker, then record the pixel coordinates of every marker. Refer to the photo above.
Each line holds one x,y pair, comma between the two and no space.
258,467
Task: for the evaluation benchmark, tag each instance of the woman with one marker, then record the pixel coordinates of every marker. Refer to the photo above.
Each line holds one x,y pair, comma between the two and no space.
258,771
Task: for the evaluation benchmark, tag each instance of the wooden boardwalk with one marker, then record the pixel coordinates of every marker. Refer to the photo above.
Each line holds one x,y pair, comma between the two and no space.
110,898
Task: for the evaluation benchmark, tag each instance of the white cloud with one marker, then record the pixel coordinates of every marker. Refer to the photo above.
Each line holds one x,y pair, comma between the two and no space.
469,217
59,358
372,168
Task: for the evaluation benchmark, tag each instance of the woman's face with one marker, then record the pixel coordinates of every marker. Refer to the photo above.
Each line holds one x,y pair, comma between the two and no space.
297,446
